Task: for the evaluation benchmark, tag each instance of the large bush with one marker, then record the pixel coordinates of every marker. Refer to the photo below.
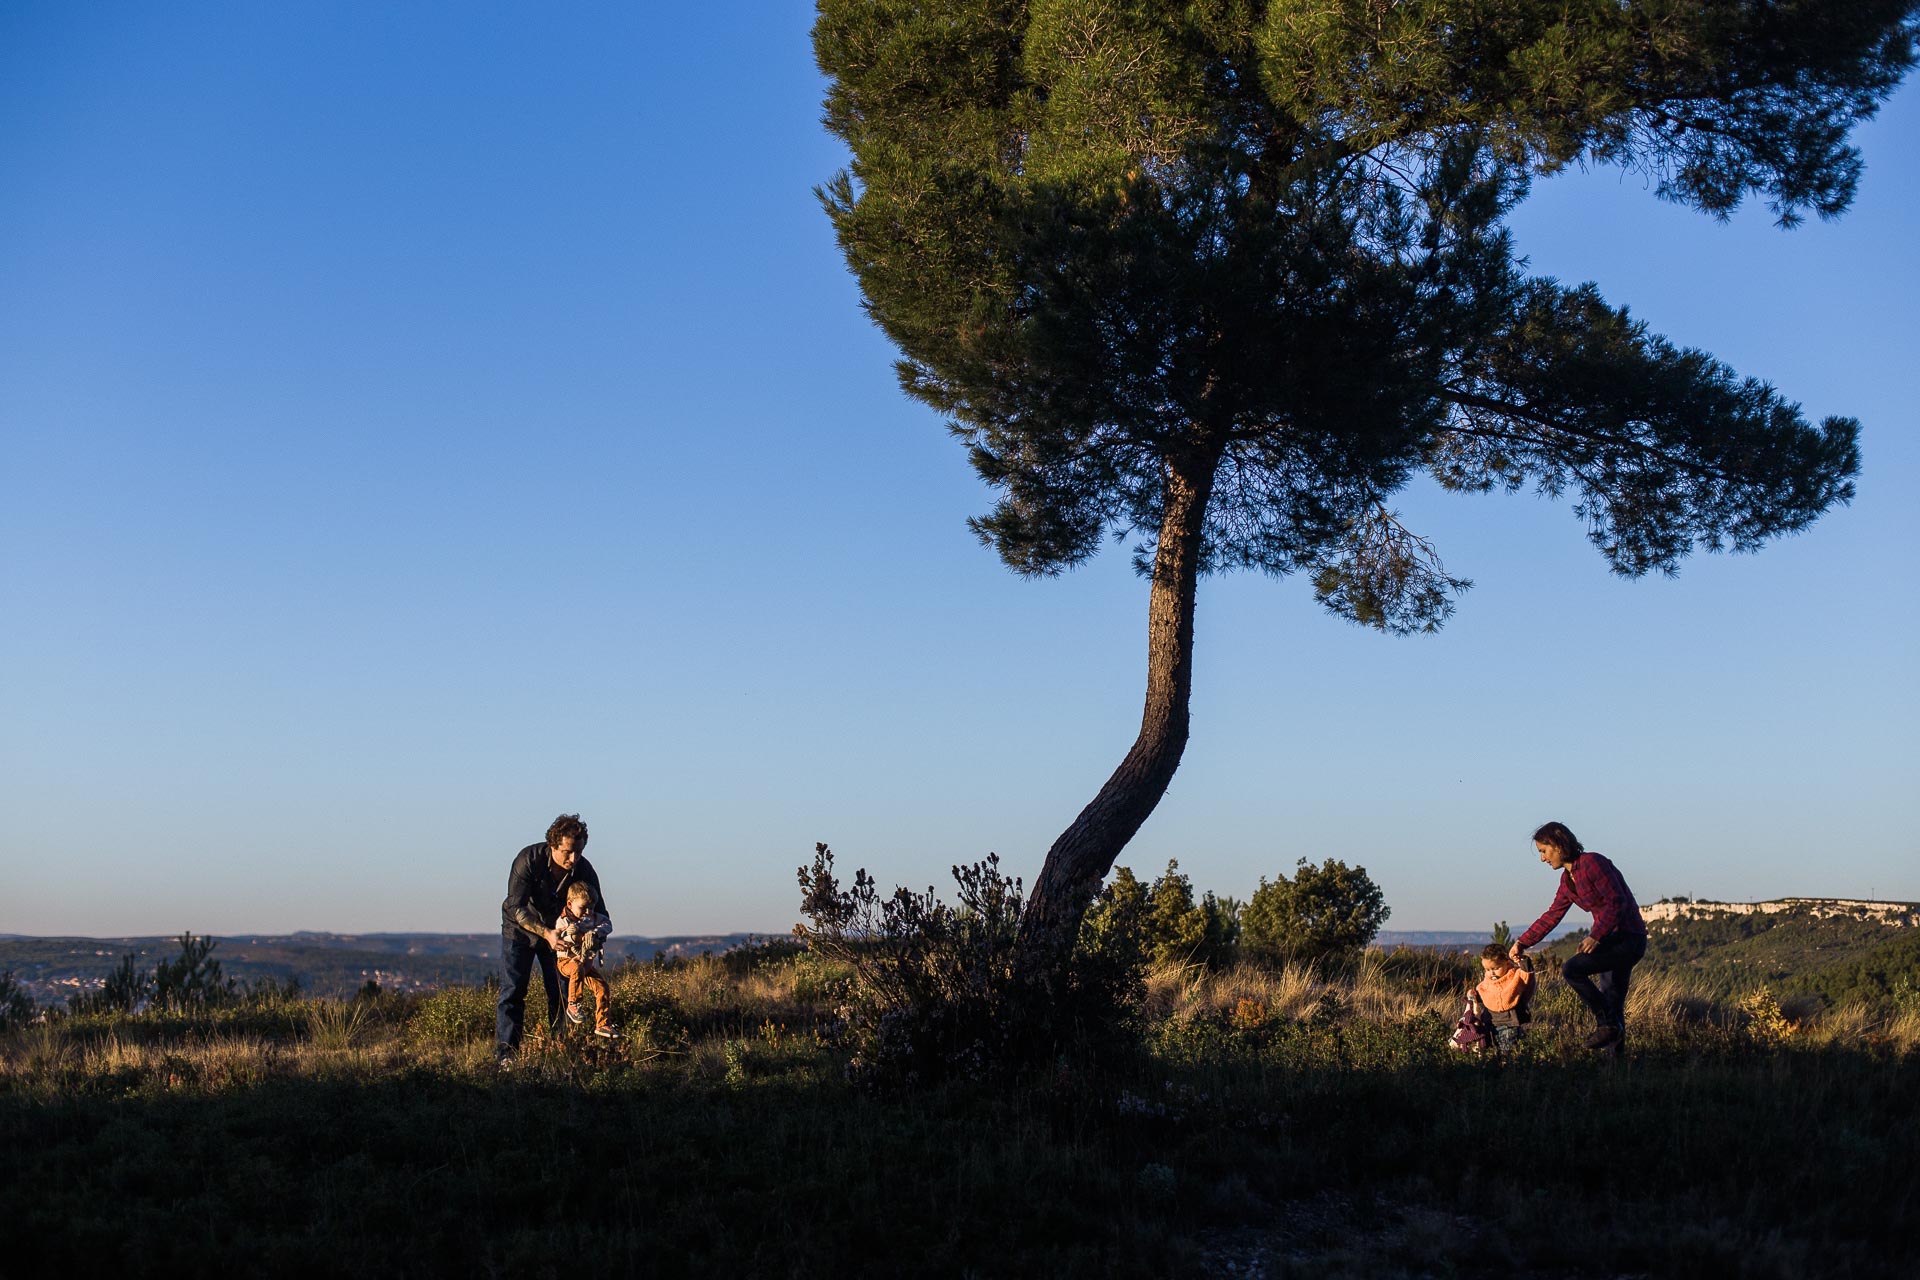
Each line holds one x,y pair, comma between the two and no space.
937,991
1132,923
1323,911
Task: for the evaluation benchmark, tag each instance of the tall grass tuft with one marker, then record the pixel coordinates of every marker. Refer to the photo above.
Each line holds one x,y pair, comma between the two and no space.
1903,1031
336,1024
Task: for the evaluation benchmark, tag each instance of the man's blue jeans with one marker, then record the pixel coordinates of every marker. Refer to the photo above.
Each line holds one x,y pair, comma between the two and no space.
1614,958
518,952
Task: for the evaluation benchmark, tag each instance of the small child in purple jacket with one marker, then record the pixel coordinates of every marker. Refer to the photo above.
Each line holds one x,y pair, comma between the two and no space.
1471,1033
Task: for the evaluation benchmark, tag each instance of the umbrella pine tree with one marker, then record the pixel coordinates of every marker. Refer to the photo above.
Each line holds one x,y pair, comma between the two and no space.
1222,276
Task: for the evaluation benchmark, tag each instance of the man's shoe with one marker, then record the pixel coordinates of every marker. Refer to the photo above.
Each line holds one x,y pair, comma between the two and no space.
1602,1037
505,1061
573,1013
608,1032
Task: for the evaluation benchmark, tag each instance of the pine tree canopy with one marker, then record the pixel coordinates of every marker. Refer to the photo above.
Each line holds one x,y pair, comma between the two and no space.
1257,248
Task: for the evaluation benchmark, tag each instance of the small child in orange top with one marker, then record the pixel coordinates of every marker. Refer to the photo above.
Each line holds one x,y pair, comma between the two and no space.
1505,991
582,932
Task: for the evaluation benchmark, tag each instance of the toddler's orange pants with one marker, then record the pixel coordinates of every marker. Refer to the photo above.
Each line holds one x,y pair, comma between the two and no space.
580,974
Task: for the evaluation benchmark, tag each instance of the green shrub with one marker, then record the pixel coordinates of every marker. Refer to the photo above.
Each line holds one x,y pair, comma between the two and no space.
1766,1024
1115,928
1323,911
16,1006
454,1015
818,980
192,979
1131,924
124,990
763,953
271,991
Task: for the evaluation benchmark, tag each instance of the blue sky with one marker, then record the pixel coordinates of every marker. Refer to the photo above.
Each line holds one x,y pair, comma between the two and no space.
416,422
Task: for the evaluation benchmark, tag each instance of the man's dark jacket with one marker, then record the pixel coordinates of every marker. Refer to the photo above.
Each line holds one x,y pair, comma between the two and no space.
534,897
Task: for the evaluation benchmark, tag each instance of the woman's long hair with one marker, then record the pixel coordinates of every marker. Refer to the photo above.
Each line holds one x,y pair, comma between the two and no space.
1557,835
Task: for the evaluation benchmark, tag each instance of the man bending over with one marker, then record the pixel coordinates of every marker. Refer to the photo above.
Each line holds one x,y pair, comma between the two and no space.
536,895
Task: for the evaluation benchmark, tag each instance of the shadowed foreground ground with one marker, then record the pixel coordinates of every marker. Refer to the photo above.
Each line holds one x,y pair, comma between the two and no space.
1262,1128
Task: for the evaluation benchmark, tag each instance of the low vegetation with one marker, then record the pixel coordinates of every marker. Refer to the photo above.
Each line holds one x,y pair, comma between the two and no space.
1257,1119
1811,963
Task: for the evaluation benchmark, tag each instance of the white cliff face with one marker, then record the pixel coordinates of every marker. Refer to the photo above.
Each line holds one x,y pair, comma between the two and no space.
1898,914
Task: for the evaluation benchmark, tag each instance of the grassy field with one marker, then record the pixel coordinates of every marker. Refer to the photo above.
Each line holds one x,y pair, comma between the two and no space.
1262,1124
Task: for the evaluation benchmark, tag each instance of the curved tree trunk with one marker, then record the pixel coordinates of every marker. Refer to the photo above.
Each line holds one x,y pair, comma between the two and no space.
1084,853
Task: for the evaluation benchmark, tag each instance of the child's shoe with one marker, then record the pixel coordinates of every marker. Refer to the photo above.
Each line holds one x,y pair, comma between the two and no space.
573,1013
607,1031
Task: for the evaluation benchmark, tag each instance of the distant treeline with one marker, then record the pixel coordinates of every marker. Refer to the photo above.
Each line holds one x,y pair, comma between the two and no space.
52,970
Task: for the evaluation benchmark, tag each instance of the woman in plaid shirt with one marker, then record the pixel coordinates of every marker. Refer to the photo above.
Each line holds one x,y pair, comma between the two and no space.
1612,946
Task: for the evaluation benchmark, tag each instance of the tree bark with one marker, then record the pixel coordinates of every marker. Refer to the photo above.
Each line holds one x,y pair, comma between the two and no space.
1080,859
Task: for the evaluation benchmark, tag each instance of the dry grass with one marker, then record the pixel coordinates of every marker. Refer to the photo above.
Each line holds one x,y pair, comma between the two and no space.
1850,1026
338,1024
1841,1027
1377,995
48,1061
1903,1032
1253,992
1666,1002
1183,992
39,1052
707,994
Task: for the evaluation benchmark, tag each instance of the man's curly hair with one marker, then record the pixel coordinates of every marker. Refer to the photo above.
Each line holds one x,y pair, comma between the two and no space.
568,824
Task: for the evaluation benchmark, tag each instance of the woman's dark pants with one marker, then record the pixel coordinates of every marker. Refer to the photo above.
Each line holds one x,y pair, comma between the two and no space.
1612,962
518,952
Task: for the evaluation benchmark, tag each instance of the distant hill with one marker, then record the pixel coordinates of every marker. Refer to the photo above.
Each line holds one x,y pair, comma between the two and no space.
329,964
1434,939
1450,939
1899,913
1806,950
